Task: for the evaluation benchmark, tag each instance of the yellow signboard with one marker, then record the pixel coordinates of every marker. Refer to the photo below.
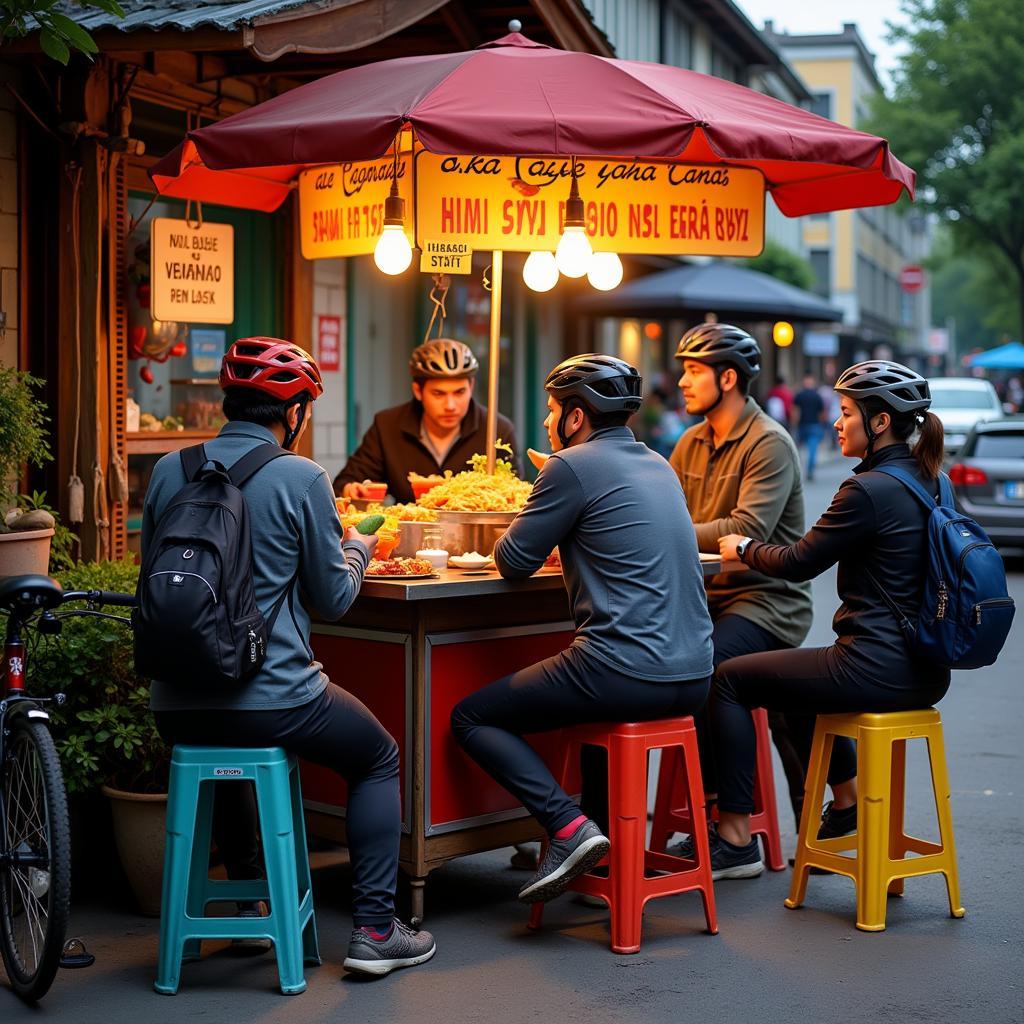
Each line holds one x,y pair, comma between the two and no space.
341,207
446,257
518,204
192,272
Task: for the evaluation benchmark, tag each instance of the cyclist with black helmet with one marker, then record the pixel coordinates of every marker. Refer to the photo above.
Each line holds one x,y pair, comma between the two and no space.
616,513
740,473
300,558
875,529
441,428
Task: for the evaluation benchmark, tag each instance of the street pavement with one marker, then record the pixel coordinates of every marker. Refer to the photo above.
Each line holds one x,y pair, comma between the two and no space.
766,964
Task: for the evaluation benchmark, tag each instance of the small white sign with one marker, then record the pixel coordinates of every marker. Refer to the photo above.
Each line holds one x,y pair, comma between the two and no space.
193,272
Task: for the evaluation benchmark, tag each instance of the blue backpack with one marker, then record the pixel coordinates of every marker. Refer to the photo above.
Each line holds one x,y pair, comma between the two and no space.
966,611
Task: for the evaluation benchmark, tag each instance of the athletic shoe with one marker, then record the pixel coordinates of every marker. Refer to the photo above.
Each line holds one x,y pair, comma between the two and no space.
565,860
404,947
835,823
728,861
251,946
684,848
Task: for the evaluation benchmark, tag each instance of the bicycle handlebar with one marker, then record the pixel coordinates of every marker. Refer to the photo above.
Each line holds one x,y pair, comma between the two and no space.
100,597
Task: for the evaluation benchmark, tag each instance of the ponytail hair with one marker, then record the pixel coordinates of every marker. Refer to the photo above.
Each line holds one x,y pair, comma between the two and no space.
929,449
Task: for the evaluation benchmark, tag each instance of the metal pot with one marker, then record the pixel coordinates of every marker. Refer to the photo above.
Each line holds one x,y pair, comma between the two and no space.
472,531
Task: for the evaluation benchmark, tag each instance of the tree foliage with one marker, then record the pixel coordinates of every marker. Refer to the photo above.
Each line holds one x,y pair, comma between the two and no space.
778,262
58,34
956,114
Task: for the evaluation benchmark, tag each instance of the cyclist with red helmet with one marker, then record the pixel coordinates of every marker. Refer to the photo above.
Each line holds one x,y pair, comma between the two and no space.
301,559
440,429
629,554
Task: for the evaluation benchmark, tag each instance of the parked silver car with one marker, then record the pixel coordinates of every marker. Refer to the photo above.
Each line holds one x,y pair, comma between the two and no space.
988,477
960,402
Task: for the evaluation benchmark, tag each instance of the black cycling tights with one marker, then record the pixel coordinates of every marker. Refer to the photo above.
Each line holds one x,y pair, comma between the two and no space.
812,681
568,689
335,730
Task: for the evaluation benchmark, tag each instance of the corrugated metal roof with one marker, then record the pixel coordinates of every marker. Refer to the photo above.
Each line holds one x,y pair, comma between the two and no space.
184,15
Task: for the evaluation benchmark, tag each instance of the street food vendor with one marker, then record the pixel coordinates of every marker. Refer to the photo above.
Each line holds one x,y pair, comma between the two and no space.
629,554
439,429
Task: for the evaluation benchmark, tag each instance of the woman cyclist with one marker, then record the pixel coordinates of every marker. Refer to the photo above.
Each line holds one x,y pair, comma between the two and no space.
874,528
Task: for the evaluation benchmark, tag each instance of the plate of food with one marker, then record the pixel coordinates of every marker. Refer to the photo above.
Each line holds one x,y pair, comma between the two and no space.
400,569
471,560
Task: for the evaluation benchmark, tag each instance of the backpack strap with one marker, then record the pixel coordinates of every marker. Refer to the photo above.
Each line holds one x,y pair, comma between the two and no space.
193,459
905,478
906,625
253,461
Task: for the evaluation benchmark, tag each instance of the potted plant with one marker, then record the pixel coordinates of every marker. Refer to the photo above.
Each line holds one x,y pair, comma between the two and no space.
105,732
25,529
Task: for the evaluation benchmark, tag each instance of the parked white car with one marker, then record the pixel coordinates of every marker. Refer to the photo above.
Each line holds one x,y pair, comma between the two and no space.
960,402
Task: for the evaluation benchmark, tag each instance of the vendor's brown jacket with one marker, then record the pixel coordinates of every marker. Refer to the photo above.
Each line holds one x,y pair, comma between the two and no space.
751,485
391,449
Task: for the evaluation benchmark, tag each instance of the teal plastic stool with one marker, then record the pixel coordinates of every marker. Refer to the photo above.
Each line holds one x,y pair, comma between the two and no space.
187,888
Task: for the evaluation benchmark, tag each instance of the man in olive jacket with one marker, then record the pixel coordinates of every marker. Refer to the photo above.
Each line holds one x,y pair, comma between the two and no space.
440,429
740,472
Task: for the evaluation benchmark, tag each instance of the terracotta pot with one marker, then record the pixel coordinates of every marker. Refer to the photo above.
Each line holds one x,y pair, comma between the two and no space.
25,551
139,834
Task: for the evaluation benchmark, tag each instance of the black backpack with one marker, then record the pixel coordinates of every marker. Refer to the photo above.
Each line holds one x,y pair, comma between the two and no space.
196,620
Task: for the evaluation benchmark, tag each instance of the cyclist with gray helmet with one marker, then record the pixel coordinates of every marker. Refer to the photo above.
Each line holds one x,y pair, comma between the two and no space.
441,428
618,517
740,473
874,528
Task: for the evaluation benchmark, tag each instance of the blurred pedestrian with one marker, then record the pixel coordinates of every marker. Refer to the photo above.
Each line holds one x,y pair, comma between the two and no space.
779,402
811,423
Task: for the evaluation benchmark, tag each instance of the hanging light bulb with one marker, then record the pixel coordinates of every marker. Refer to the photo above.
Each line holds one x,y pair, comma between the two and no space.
393,253
574,252
605,271
540,272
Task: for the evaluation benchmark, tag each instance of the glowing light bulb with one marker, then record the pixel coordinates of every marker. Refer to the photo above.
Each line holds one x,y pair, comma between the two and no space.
574,253
605,271
540,272
782,334
393,253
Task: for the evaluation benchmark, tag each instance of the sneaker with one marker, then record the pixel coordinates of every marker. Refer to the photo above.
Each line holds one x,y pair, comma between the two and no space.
835,823
404,947
728,861
684,848
564,860
251,946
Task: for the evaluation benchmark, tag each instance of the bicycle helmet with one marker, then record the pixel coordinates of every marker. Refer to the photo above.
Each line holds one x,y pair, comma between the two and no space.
901,388
715,344
277,368
601,384
442,357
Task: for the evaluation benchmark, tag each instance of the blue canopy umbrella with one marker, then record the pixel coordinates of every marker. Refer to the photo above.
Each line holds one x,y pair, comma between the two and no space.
1006,357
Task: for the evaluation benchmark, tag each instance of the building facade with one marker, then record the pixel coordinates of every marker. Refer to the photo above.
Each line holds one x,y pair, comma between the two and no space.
858,255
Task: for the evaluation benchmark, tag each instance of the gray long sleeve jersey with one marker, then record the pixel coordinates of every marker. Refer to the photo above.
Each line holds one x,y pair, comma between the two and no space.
296,542
617,513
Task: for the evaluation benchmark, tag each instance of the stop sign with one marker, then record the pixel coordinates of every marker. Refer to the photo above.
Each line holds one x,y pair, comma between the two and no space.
912,278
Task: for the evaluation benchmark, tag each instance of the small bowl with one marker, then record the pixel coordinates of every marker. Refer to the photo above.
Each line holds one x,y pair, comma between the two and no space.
420,487
462,562
376,492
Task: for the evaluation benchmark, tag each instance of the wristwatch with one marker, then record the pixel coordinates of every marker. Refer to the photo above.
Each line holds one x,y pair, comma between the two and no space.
741,548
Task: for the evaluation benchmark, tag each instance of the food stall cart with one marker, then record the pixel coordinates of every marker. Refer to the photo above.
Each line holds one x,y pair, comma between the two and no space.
505,148
411,650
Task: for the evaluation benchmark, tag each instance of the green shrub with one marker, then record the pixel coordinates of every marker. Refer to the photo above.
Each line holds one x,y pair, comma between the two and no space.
105,733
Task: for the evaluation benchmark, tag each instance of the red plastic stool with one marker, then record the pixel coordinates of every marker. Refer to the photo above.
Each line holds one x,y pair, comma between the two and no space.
635,873
672,810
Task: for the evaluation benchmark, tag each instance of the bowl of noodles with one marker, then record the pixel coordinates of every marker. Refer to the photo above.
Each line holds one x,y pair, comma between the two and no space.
475,507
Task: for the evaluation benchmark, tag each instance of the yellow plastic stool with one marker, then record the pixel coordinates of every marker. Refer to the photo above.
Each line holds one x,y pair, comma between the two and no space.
881,864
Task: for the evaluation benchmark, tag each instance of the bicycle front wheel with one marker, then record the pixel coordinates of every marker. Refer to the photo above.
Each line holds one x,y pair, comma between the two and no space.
35,877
